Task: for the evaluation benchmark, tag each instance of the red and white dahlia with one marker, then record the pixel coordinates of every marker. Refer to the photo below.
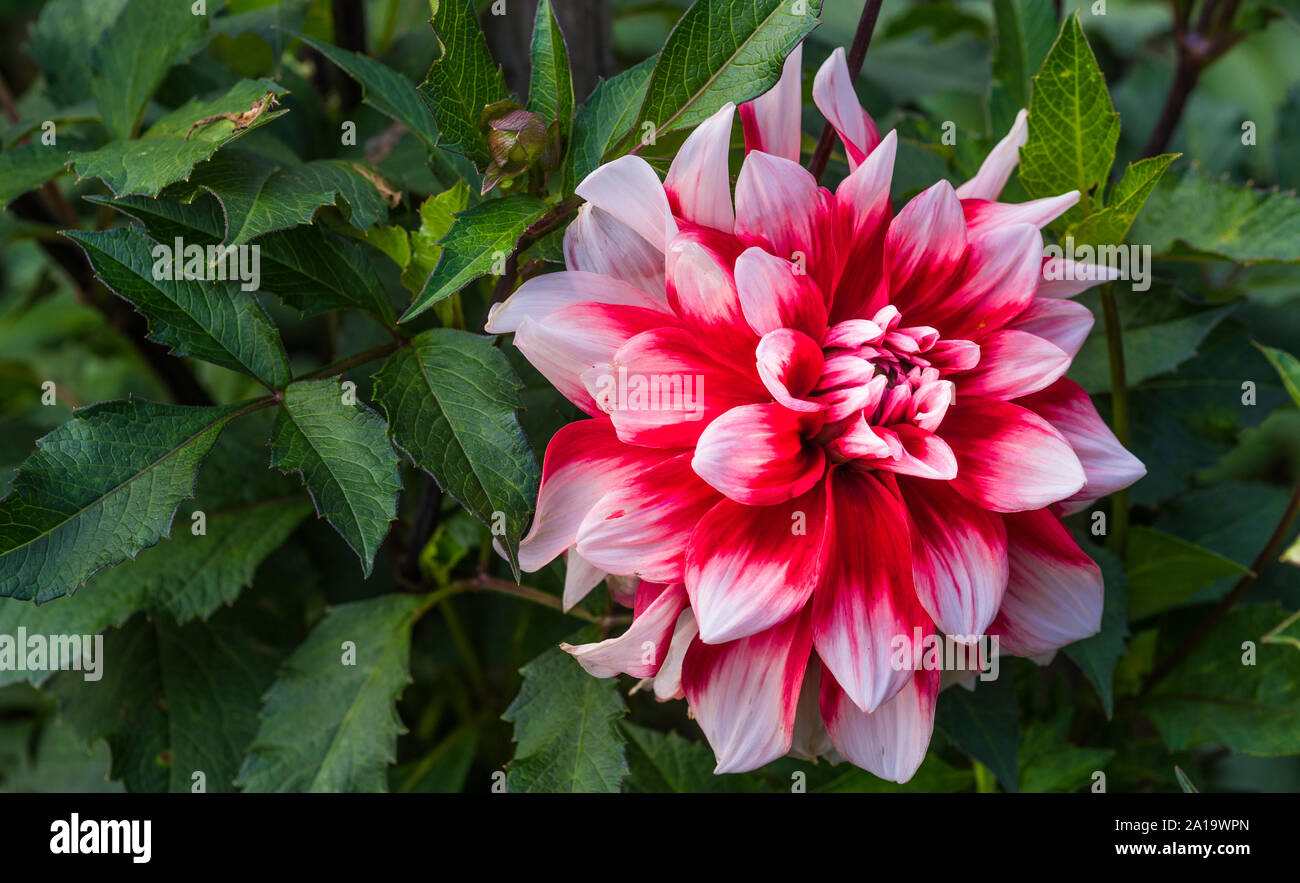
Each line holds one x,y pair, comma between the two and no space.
876,436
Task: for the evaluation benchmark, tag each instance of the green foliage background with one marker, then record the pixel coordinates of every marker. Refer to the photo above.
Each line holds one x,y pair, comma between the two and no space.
358,373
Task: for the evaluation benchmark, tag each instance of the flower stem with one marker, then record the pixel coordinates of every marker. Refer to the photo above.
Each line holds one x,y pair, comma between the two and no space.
353,361
1119,413
857,55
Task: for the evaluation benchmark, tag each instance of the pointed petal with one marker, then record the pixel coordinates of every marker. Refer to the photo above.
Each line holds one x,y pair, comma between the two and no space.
699,183
629,189
985,216
1063,278
998,282
751,567
999,164
781,209
811,741
597,242
580,577
744,693
891,741
772,120
865,212
668,682
702,292
545,294
1008,458
924,248
758,454
834,96
639,651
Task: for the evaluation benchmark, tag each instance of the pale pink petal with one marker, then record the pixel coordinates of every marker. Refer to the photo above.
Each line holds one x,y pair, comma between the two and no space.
751,567
629,189
744,693
811,740
760,455
866,600
583,462
1106,464
699,183
1054,595
999,164
790,364
775,293
639,651
772,120
918,452
891,741
702,291
834,96
668,682
959,557
1008,458
1063,322
985,216
643,524
1064,278
566,342
597,242
580,577
1012,364
546,294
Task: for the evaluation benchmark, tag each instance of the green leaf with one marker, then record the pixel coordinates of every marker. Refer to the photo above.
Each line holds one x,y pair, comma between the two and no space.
1184,781
441,771
1245,697
259,195
1165,570
565,726
329,722
1026,30
385,89
100,488
310,268
157,708
606,117
984,724
63,38
163,156
29,166
1049,763
934,776
665,763
341,449
463,80
1096,656
720,51
451,399
481,237
1214,217
1073,127
1149,350
437,215
1287,366
210,320
135,53
1110,226
550,86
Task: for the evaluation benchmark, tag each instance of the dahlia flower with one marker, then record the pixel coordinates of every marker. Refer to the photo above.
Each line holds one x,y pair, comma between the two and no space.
869,434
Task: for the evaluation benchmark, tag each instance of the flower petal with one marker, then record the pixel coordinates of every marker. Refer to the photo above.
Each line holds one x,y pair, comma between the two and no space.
751,567
780,208
1054,594
744,693
546,294
924,248
1008,458
999,164
580,577
668,682
629,189
772,120
891,741
834,96
758,455
1012,364
998,282
865,212
775,293
699,183
790,364
597,242
1065,323
639,651
1064,278
985,216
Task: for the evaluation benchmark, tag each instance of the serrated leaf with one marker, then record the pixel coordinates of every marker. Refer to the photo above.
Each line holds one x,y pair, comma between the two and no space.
210,320
1214,697
667,763
156,706
480,238
135,53
1165,570
385,89
98,490
1110,226
329,724
1096,656
437,215
985,724
566,729
462,81
1213,216
1287,367
550,85
607,116
1073,127
451,399
346,461
1026,30
259,195
163,155
310,268
720,51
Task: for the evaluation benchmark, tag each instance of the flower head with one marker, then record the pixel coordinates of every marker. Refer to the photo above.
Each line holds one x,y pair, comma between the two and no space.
815,426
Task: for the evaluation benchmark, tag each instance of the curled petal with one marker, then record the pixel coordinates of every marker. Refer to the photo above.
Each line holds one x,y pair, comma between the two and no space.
698,183
639,651
775,293
999,164
1064,278
790,364
780,208
834,96
597,242
668,682
580,577
772,120
891,741
629,189
759,454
